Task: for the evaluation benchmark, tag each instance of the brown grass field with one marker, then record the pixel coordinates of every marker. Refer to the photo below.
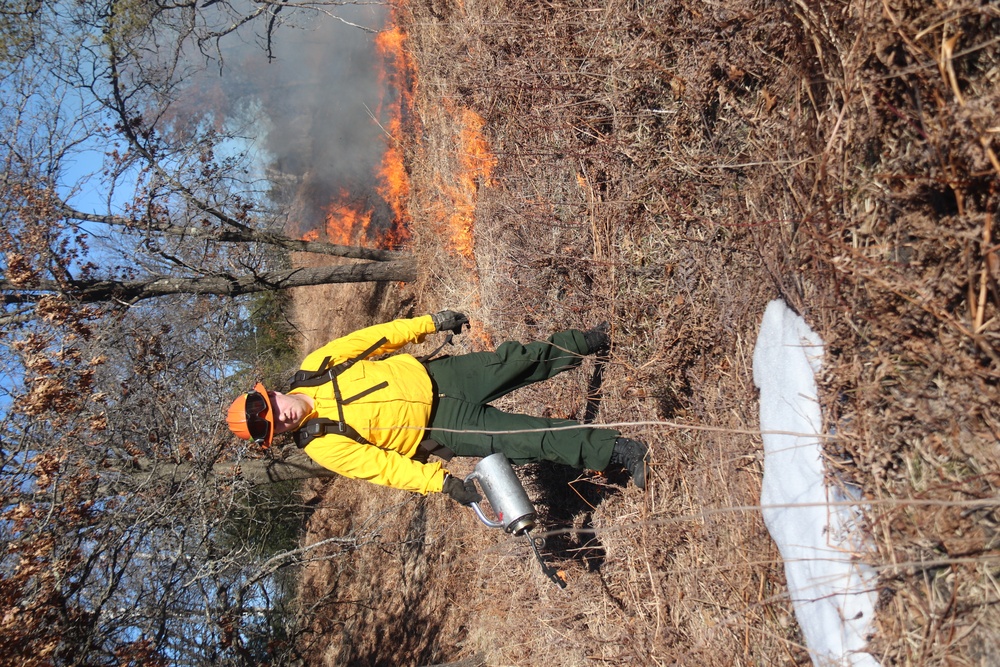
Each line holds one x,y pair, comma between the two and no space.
670,167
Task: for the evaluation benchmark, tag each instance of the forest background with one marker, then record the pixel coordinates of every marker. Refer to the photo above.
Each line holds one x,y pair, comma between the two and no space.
667,166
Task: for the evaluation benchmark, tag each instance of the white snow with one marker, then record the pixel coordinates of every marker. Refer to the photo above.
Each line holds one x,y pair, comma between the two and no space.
833,592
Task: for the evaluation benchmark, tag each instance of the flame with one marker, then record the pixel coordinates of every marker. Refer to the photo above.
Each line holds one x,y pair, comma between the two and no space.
451,209
391,46
394,188
394,182
349,223
447,206
457,180
475,164
346,224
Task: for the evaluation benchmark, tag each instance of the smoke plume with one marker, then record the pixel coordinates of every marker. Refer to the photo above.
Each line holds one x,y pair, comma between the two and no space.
320,107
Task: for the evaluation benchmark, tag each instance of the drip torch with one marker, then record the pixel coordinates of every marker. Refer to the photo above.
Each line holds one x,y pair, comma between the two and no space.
514,511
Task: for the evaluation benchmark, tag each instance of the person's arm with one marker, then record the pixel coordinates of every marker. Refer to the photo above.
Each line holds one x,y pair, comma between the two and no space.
374,464
397,334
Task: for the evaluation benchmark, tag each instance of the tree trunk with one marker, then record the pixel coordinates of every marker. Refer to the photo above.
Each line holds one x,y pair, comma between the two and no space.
255,471
236,235
95,291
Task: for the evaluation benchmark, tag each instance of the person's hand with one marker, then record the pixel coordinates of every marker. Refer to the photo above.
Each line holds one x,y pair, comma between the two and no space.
449,320
461,492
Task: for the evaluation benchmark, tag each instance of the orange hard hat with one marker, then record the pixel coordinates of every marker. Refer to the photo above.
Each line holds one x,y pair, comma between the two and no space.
251,424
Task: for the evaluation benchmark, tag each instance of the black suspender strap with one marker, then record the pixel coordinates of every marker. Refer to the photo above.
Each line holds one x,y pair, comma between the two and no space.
317,428
381,385
429,446
311,378
322,426
341,424
324,374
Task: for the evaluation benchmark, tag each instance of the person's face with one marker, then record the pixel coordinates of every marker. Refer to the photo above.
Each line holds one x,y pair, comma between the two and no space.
289,410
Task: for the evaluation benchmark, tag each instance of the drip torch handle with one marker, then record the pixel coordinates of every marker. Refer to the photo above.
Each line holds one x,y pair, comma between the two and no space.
479,510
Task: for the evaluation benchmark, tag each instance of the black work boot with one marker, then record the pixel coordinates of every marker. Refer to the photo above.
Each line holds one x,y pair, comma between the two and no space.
634,457
597,339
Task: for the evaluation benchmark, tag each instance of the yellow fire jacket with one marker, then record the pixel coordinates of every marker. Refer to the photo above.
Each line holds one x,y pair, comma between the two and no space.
392,418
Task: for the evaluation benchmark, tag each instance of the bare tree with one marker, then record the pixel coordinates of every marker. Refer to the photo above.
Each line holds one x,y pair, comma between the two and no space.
119,482
189,222
93,289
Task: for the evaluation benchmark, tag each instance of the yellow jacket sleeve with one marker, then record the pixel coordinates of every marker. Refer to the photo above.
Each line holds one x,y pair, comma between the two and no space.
397,334
379,466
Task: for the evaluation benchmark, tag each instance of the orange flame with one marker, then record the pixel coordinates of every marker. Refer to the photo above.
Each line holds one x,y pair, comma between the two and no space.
474,168
346,223
471,167
475,165
394,181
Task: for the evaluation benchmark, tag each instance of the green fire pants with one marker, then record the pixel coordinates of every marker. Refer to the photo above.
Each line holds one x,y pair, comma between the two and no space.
466,384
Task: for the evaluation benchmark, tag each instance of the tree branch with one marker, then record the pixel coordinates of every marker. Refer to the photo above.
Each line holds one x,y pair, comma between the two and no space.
150,287
246,235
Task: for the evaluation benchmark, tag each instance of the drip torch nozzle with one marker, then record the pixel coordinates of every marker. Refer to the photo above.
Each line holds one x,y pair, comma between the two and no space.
557,577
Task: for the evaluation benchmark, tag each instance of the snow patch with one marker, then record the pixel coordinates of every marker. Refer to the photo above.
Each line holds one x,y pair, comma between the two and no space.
833,593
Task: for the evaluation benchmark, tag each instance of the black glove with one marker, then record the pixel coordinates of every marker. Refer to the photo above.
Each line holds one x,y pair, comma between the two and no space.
462,492
449,320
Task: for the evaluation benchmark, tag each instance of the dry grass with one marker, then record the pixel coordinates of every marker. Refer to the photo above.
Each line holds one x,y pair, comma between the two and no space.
670,167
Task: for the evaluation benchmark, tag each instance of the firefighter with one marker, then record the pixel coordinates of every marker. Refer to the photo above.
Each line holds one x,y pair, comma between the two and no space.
380,420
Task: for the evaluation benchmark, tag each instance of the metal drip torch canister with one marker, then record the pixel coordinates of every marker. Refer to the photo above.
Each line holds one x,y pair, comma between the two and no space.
514,511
